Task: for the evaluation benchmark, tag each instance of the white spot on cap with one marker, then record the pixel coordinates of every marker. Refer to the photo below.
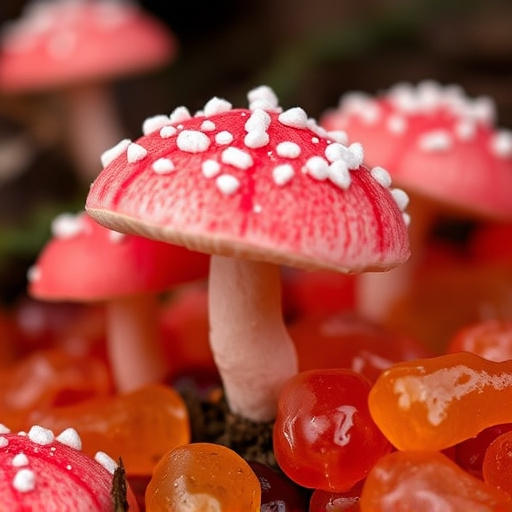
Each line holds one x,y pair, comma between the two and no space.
294,117
41,435
237,158
434,141
163,166
501,143
335,151
288,149
70,437
4,429
465,129
24,480
396,124
168,131
256,139
354,156
106,461
227,184
263,97
282,174
3,442
259,120
155,123
224,138
19,460
179,114
382,176
207,126
111,154
67,225
216,106
210,168
193,141
257,208
317,167
401,198
135,152
337,136
339,174
406,218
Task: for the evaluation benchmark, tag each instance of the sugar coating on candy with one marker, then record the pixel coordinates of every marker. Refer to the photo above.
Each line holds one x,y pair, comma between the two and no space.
438,390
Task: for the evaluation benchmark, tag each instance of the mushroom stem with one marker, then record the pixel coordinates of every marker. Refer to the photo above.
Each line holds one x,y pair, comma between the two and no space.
133,345
92,127
250,343
378,292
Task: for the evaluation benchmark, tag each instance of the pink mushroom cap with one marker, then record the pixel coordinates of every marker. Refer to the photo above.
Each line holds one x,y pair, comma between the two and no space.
40,471
86,262
65,42
257,183
435,142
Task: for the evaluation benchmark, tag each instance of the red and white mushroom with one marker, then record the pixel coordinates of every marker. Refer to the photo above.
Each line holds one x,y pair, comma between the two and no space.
443,148
85,262
256,188
41,471
75,47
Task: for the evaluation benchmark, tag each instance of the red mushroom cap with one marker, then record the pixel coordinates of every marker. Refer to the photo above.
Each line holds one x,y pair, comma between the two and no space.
63,42
257,183
42,472
434,141
85,261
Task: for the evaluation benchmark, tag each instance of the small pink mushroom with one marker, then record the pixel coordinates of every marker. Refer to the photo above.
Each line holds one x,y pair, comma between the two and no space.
85,262
76,47
443,148
256,188
41,471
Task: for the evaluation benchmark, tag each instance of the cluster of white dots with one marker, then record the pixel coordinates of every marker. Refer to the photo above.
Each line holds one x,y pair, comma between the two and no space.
58,23
334,165
25,479
67,226
428,97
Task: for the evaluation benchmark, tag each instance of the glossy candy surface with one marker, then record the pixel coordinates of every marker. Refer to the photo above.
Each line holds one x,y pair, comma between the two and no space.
431,404
139,426
324,436
323,501
424,481
277,491
469,454
497,463
203,477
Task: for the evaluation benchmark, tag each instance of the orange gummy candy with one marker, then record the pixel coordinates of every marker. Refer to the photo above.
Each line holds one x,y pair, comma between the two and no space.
424,481
497,464
139,426
203,476
431,404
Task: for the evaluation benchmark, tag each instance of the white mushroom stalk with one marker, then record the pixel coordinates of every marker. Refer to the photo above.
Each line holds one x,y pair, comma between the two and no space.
256,188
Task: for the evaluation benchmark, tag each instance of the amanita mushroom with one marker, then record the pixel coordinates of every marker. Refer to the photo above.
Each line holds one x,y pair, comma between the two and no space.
256,188
41,471
85,262
443,148
75,47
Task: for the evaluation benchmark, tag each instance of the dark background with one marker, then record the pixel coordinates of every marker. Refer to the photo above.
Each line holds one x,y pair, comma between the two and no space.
309,52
